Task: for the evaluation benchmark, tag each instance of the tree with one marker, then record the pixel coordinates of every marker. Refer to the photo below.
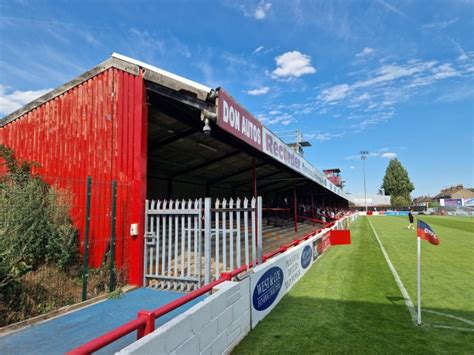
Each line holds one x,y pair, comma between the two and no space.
400,202
396,181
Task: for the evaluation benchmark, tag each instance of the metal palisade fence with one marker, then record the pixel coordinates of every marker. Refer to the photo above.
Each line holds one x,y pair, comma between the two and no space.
189,243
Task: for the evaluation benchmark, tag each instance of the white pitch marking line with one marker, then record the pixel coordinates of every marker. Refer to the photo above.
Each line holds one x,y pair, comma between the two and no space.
470,322
403,290
406,297
447,327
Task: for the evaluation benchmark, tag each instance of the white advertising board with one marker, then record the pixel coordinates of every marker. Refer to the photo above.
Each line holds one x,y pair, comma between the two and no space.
273,279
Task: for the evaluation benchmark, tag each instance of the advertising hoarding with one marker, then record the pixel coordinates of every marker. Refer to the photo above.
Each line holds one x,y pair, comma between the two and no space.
236,120
273,279
451,202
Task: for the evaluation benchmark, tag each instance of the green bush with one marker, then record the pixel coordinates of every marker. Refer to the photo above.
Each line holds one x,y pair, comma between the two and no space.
35,227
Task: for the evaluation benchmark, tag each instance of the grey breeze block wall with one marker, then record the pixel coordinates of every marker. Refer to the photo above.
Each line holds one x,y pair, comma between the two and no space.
213,326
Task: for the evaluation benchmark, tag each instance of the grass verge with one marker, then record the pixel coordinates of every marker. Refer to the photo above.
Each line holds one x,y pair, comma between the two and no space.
349,303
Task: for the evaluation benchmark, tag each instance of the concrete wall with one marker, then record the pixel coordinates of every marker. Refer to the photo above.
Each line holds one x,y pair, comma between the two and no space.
213,326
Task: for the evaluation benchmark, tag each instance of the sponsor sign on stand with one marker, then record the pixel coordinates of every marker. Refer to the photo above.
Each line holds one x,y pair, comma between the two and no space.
276,148
273,279
236,120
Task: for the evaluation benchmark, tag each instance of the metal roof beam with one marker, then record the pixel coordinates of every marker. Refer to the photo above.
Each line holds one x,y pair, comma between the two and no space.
172,139
258,179
206,163
181,96
288,187
224,177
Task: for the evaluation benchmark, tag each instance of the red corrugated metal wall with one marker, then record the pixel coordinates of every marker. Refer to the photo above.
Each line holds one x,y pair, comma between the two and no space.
96,129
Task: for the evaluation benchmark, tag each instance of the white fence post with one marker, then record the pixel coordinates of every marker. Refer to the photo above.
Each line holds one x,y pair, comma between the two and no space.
198,239
259,230
207,240
254,234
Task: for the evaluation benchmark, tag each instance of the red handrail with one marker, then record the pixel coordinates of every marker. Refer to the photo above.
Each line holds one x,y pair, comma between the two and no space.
110,337
145,322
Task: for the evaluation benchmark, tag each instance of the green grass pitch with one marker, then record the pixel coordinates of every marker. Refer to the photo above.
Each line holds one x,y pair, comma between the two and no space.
349,302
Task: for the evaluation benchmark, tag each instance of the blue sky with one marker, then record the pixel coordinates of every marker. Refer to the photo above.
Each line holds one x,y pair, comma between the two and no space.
395,78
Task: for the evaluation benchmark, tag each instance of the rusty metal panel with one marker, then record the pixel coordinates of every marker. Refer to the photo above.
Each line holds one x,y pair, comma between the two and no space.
97,129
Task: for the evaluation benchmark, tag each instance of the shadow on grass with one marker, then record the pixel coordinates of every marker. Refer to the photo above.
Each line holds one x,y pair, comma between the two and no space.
395,299
311,325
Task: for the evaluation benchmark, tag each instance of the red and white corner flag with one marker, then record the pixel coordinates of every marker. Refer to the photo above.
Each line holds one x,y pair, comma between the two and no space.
425,232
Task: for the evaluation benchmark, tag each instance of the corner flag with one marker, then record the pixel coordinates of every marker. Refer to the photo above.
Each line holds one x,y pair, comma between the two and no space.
425,232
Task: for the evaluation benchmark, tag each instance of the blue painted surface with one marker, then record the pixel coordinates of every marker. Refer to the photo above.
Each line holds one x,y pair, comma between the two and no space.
64,333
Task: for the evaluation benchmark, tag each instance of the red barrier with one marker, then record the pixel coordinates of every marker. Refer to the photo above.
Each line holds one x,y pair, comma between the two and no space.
340,237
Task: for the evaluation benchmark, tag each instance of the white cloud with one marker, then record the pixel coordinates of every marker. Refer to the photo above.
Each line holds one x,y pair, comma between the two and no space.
460,94
260,91
445,71
262,10
390,7
440,25
389,155
284,119
463,57
366,51
293,64
335,93
462,54
323,136
389,73
364,97
258,49
389,84
11,101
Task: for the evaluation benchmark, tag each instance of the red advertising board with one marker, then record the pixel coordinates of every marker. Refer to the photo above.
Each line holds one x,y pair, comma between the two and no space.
236,120
340,237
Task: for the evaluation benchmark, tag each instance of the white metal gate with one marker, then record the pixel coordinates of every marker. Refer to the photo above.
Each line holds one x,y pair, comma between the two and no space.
173,244
175,233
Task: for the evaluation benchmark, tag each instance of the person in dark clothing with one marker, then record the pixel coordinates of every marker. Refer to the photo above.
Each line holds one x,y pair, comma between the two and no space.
411,219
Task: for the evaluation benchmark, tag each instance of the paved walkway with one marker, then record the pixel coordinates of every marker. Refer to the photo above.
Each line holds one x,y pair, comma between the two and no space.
59,335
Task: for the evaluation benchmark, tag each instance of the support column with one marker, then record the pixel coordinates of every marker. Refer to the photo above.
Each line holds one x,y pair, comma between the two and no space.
295,207
254,179
312,206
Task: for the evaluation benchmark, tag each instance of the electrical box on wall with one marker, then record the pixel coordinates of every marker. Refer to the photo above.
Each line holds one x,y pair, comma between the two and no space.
134,229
